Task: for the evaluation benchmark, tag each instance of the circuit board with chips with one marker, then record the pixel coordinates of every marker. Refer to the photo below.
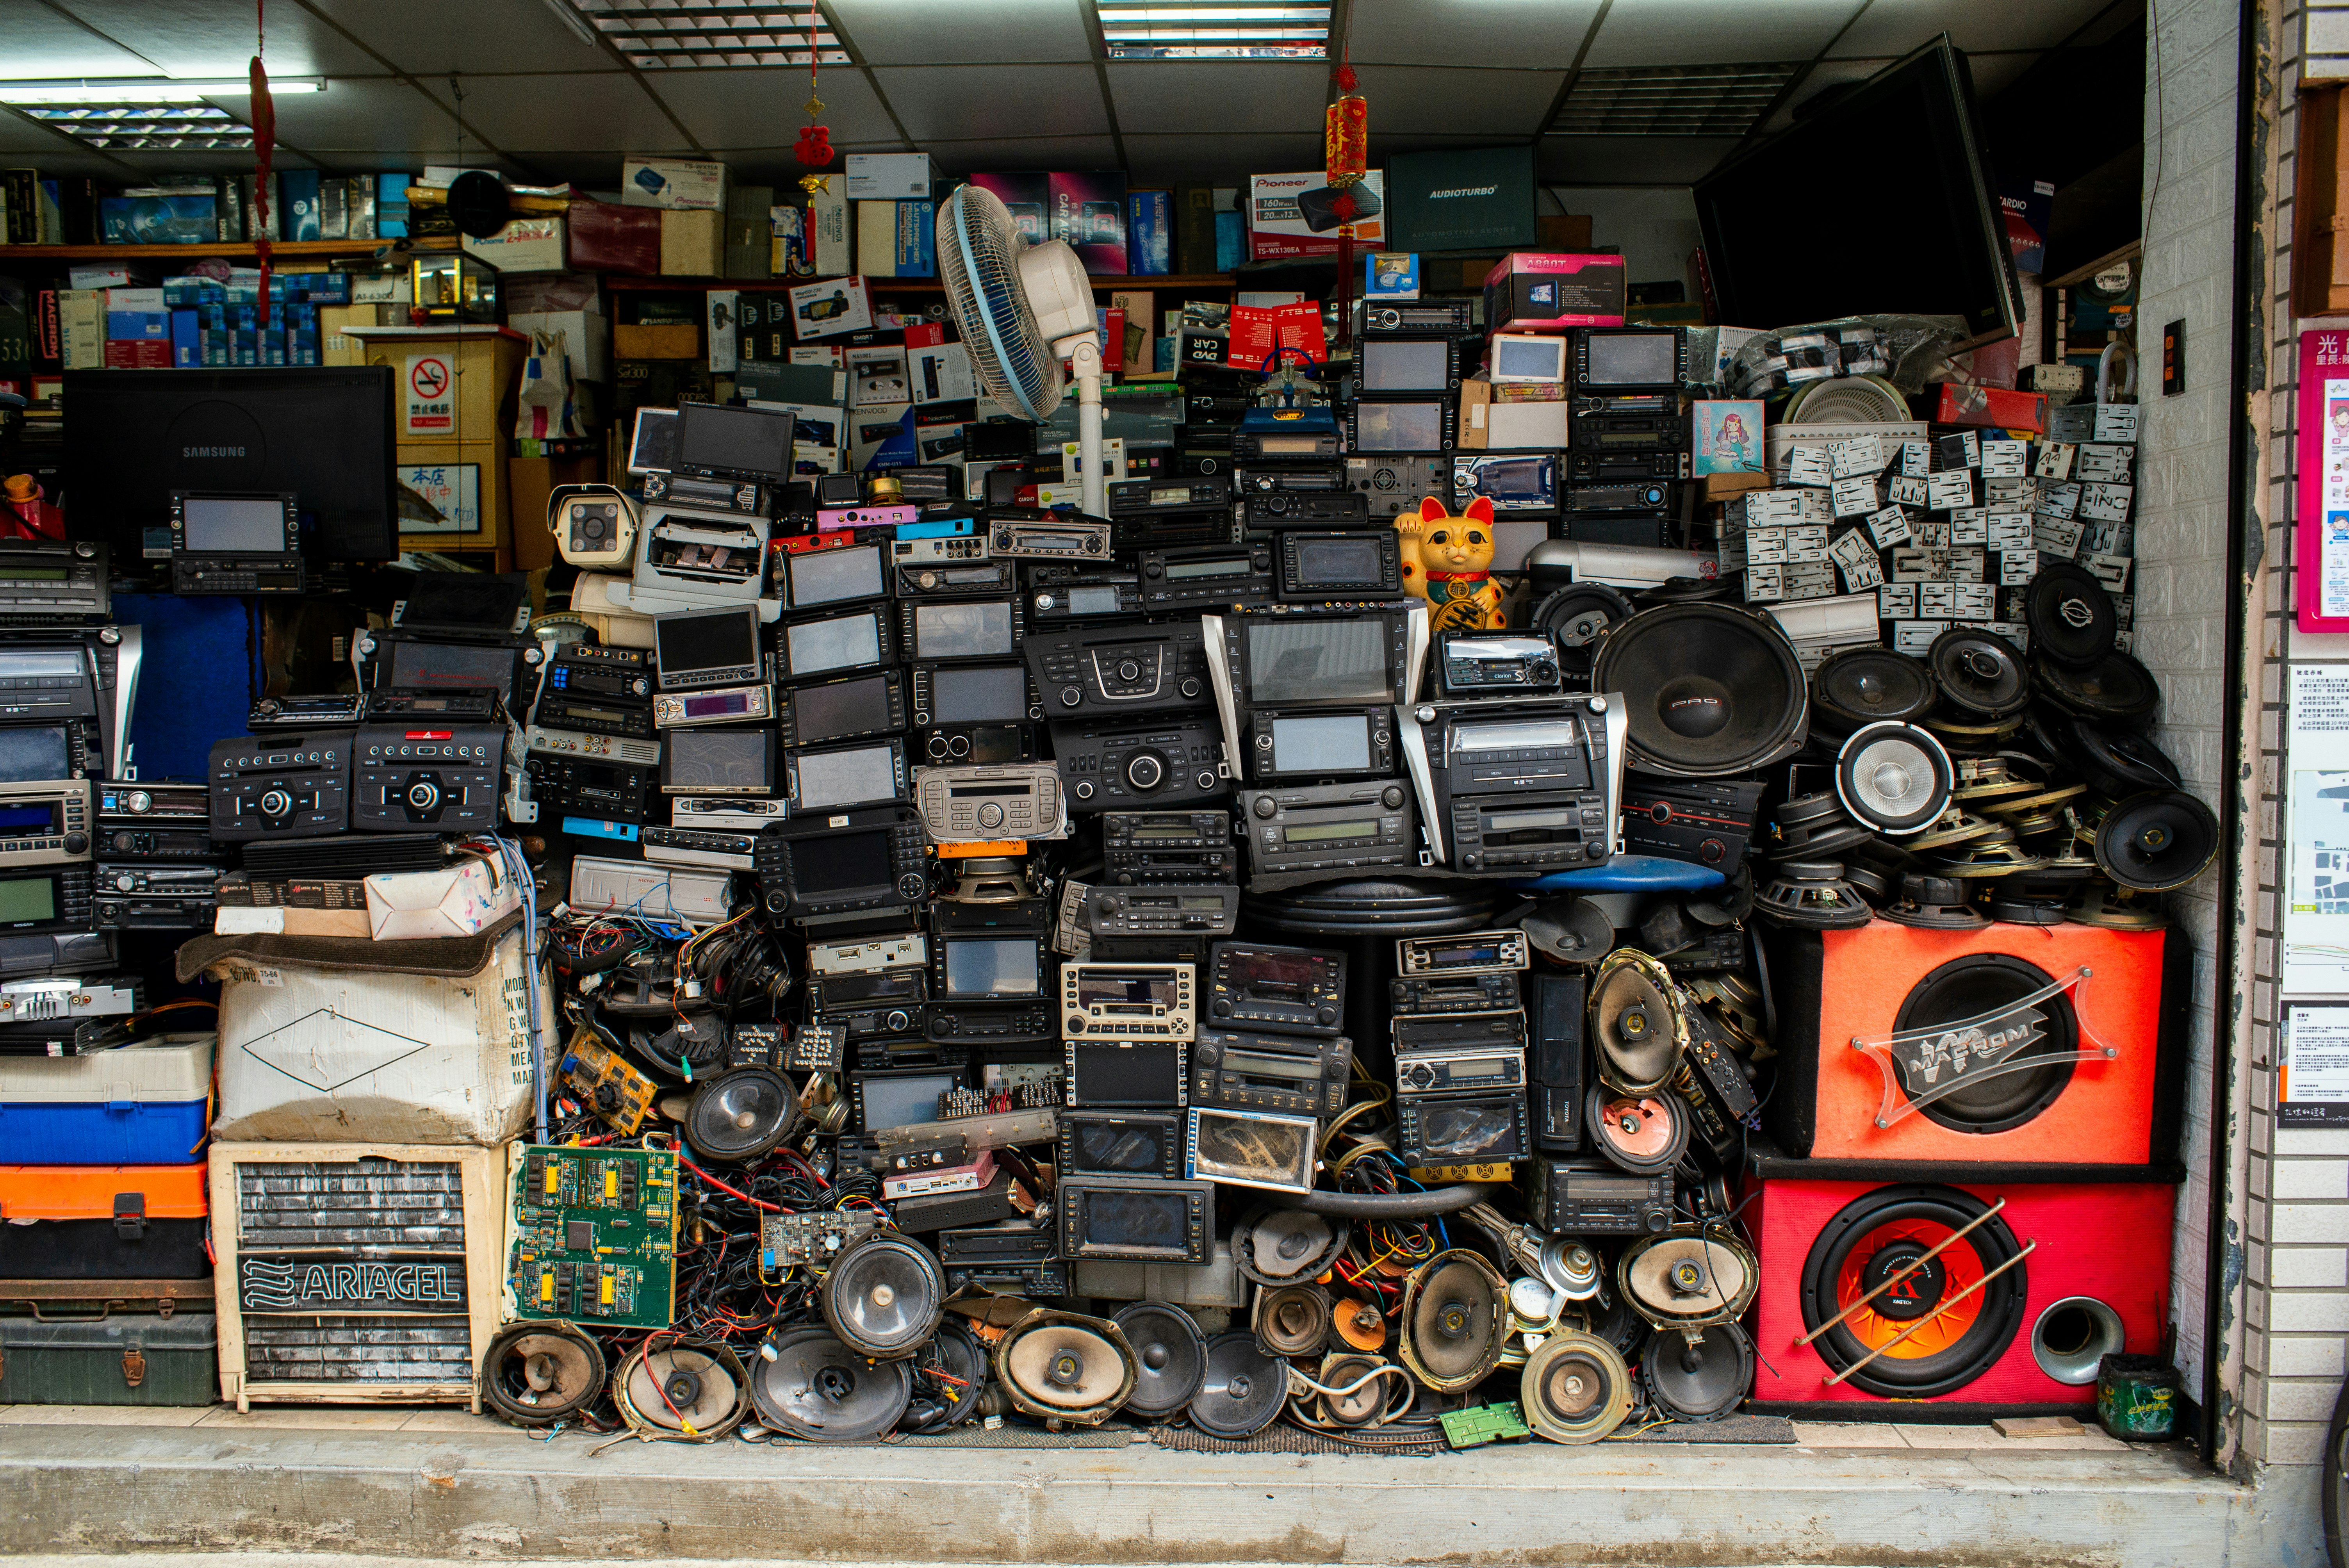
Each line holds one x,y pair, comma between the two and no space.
594,1235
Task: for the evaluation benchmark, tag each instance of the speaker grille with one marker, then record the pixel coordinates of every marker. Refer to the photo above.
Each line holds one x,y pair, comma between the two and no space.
1710,689
1868,1242
1983,983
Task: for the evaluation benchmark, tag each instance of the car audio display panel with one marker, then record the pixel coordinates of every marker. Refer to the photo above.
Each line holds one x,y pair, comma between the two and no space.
843,862
695,648
940,631
235,543
848,708
1516,788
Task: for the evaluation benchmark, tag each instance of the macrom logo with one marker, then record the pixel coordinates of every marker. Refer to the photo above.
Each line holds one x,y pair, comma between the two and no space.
1462,190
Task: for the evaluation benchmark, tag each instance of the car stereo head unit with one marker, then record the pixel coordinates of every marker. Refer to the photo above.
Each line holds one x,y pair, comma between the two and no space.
726,442
839,778
719,762
945,631
843,862
227,543
1129,1001
708,648
845,566
862,639
846,709
1517,788
1616,359
1279,990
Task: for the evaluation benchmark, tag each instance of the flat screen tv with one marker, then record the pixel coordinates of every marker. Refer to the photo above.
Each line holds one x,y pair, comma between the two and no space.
322,433
1881,201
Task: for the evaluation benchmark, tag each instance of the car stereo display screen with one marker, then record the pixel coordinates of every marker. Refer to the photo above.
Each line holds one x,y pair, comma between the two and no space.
1135,1075
1317,662
726,641
449,664
895,1099
719,759
222,524
28,901
980,694
1116,1146
1338,743
835,576
840,709
1398,427
734,440
1633,359
833,864
1405,364
34,755
1341,563
991,966
859,776
814,647
1134,1222
975,631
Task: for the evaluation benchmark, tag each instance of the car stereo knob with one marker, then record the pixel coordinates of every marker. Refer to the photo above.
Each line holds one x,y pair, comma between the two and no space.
1071,696
1129,670
898,1020
1082,790
1205,782
1147,771
1263,806
424,795
139,801
124,881
1189,687
1390,798
276,803
77,842
990,815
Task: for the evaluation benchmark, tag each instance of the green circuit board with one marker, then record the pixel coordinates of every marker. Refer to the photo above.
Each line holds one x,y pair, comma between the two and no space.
1482,1424
594,1235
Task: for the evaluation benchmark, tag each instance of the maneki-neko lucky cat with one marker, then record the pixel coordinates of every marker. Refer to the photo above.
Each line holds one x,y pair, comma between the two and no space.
1448,561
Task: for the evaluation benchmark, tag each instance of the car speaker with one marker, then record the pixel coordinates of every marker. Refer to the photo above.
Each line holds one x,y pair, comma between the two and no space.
2070,1336
1861,687
2117,762
1242,1389
1643,1134
2070,617
1689,1277
811,1385
739,1116
1576,617
1454,1320
1812,895
1170,1357
1709,689
1576,932
1275,1247
1933,904
1698,1376
949,1381
1981,674
885,1297
1893,777
536,1374
1291,1319
1359,1323
1065,1366
1570,1268
2156,841
1908,1237
1366,1385
1637,1022
1575,1388
694,1388
2115,689
1963,994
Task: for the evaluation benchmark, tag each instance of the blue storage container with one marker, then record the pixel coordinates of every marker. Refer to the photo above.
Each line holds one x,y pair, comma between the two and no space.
146,1103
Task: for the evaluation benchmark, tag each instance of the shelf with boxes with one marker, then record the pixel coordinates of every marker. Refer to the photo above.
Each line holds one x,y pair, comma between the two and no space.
9,254
621,283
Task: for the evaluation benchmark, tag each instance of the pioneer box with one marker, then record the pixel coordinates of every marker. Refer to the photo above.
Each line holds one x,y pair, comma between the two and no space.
1279,990
1705,821
1104,671
410,779
1299,1075
281,786
1952,1300
844,863
1061,592
1171,760
2007,1046
1192,578
1517,788
1166,847
1318,830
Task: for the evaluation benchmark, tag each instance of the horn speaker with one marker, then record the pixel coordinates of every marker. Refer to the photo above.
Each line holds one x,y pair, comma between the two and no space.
1709,689
1242,1389
1065,1366
1861,687
693,1388
809,1385
1637,1022
1170,1356
2156,841
535,1374
741,1115
1575,1388
1893,777
1454,1320
885,1297
1699,1378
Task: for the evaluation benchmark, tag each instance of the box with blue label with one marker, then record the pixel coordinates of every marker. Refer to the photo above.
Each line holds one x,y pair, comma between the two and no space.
1149,233
139,1104
184,220
130,325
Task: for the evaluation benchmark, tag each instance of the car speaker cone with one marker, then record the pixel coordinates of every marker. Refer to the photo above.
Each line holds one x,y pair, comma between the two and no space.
1709,689
1644,1133
1570,1267
2156,841
1170,1356
1341,1369
1893,777
1292,1319
688,1387
741,1115
950,1377
2117,762
1690,1276
536,1374
1637,1022
2115,689
1981,674
1576,932
1359,1324
1066,1366
885,1297
1275,1246
1575,1388
1978,1283
1454,1320
1861,687
1701,1377
808,1385
1242,1388
2071,1336
1576,617
2070,616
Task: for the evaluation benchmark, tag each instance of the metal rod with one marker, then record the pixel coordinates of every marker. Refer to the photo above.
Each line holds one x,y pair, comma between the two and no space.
2028,1248
1987,1214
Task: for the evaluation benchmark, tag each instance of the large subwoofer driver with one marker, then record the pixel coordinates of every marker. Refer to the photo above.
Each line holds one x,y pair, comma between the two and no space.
1710,690
1868,1242
1990,983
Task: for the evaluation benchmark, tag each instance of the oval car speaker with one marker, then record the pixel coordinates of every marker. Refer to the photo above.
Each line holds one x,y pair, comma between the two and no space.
1636,1022
741,1115
688,1387
1700,1380
2156,841
1274,1247
1242,1390
1575,1388
1292,1319
1575,932
1065,1366
2115,689
1710,689
1170,1356
2070,617
1454,1320
1979,673
1689,1277
884,1295
1894,777
816,1388
535,1374
1860,686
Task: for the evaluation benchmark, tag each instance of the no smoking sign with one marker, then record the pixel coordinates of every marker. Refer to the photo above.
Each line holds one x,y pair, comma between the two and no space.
429,396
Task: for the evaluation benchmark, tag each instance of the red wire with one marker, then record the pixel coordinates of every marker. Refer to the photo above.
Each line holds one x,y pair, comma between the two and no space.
714,1181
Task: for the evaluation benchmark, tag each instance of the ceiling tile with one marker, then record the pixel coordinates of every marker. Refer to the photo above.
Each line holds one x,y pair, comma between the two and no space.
437,36
752,109
1628,159
956,32
20,134
207,37
995,101
41,45
1162,159
1897,27
1223,96
1540,34
358,116
1704,32
1821,77
1513,104
563,113
1031,152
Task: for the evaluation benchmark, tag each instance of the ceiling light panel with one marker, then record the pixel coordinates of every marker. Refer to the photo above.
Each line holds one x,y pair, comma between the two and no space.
1670,101
683,34
1232,30
147,128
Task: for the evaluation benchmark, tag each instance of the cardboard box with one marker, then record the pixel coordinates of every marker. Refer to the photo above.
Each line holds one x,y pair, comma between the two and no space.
749,231
882,435
692,242
681,184
534,243
1489,424
657,342
1140,306
941,374
463,899
722,306
834,307
1391,275
1149,233
828,237
1461,198
1290,215
888,176
877,378
605,238
1084,211
877,239
1531,290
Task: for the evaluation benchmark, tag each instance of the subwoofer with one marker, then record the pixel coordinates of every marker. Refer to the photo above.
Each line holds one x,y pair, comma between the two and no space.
2156,841
1291,1319
1639,1025
1242,1389
741,1115
693,1388
816,1388
1697,1376
1710,689
2070,617
1894,777
1980,1052
1170,1357
1989,1298
885,1297
536,1374
1575,1388
1065,1366
1454,1320
1861,687
1981,674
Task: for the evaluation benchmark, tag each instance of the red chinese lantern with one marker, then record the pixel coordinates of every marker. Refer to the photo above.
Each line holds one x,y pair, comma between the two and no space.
1346,133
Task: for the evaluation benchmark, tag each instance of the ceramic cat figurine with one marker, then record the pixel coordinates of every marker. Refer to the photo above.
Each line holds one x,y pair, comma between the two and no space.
1448,561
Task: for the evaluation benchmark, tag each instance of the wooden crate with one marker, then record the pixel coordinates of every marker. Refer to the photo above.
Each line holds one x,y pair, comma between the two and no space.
362,1324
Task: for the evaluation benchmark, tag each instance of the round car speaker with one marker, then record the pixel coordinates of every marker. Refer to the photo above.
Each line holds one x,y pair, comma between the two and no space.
1292,1319
1894,777
1877,1237
2070,1336
741,1115
1363,1405
2156,841
949,1380
1700,1380
1575,1388
1576,618
1642,1133
1688,1277
1636,1022
1359,1324
1848,400
2116,763
1933,904
1065,1366
1861,687
1570,1267
688,1387
479,204
2115,689
1576,932
1981,674
535,1374
1984,985
2070,616
1170,1356
814,1388
1454,1320
1812,895
885,1297
1710,689
1275,1246
1241,1390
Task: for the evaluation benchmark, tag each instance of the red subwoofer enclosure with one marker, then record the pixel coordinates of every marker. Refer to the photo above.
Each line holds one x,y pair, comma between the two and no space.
2098,1279
2107,1113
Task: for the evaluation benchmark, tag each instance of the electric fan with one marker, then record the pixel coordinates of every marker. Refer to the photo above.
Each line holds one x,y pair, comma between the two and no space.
1020,309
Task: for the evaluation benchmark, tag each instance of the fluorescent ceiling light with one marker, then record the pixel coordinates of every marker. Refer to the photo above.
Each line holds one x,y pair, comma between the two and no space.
148,89
1233,30
680,34
147,127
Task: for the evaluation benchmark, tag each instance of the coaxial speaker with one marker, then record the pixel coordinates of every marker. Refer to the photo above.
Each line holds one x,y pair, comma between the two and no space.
1933,904
1709,689
1701,1375
1359,1323
1893,777
1861,687
535,1374
1643,1134
2115,762
1690,1276
1576,932
1242,1389
815,1387
2070,1336
2070,617
1874,1271
1357,1406
1170,1356
1815,827
1981,674
2156,841
2115,689
1454,1320
741,1115
1576,618
885,1297
1292,1319
1275,1246
949,1380
693,1388
1812,895
1065,1366
1636,1022
1575,1387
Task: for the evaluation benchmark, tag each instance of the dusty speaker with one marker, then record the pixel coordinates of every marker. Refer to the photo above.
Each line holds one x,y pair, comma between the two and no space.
2115,689
2070,617
2115,762
1893,777
1576,932
1242,1389
1981,674
885,1297
688,1387
1357,1406
949,1380
1577,617
1933,904
1361,1324
1572,1268
741,1115
1861,687
1277,1247
535,1374
1812,895
1709,689
1170,1356
1698,1378
1575,1389
1291,1319
1643,1134
814,1388
1065,1366
1690,1276
1637,1022
2156,841
1454,1320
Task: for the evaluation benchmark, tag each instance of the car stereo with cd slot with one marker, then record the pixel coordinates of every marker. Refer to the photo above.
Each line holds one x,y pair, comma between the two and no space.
46,581
1193,577
1166,847
843,862
1058,592
1279,990
1517,788
1117,669
236,542
1323,830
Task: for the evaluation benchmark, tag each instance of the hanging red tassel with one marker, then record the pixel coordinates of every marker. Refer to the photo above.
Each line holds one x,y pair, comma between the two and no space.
264,138
814,149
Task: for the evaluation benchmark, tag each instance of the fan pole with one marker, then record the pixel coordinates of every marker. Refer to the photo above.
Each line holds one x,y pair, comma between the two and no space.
1093,484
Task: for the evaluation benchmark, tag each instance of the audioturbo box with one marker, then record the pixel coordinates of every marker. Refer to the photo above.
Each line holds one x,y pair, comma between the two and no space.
1461,199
